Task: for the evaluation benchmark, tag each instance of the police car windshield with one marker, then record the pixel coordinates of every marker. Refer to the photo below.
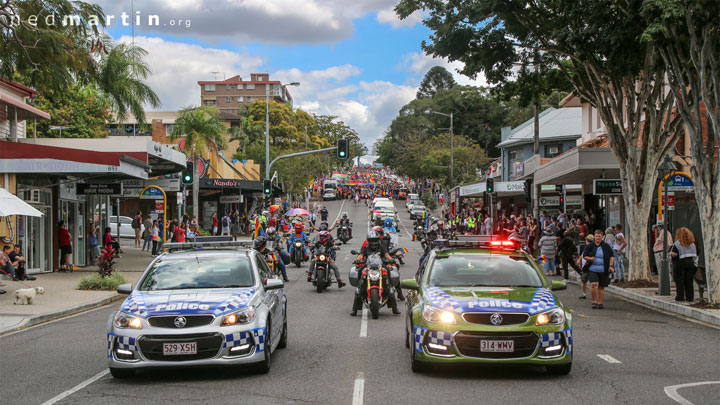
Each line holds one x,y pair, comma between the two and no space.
180,274
482,270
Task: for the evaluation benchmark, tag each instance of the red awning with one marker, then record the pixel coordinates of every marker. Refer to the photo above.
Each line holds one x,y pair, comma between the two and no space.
24,111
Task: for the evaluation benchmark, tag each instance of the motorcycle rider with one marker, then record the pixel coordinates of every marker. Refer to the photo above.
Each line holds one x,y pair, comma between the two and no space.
272,235
345,221
427,244
371,247
298,235
260,244
324,238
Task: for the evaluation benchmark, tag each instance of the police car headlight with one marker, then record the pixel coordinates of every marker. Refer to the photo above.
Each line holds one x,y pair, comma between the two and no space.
552,317
125,321
243,316
435,315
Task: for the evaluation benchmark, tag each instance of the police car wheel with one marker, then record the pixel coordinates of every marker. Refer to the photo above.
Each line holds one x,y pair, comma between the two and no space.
263,367
559,370
122,372
283,337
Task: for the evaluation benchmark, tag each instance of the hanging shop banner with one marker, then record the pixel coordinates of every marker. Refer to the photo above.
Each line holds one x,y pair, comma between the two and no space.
230,199
550,201
573,199
99,189
607,187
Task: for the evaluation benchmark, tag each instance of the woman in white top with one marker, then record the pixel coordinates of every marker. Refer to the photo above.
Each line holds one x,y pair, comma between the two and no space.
685,251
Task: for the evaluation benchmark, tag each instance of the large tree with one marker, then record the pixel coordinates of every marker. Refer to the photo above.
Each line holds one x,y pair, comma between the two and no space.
202,130
437,78
596,45
687,33
83,109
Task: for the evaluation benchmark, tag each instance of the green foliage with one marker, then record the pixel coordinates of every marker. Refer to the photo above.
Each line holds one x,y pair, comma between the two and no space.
201,128
436,79
429,201
97,282
84,109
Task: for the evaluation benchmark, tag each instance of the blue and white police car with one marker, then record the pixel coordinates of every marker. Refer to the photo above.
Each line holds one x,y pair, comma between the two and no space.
207,304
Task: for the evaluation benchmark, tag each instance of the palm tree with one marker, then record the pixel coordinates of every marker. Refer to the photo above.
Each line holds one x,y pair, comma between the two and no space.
249,130
121,78
202,130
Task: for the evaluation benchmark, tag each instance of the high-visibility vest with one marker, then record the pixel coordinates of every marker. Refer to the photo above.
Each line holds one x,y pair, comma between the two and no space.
471,222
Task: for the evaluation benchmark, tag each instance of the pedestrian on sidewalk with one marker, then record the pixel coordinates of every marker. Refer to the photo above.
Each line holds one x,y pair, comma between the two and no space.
64,241
94,244
567,250
600,263
226,222
137,226
685,251
619,246
147,233
548,248
660,234
155,237
214,229
590,239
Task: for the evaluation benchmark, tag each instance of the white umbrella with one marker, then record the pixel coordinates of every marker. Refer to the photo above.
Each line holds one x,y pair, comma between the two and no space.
11,205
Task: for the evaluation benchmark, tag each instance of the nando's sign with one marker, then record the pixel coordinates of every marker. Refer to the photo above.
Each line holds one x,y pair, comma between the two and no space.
222,183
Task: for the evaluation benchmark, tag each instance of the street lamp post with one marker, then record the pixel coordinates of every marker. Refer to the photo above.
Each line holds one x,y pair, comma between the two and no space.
452,144
665,168
267,126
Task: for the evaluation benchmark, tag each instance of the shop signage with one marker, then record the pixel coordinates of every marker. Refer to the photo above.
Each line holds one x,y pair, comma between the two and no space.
230,199
222,183
99,189
511,186
680,182
471,189
607,187
550,201
575,199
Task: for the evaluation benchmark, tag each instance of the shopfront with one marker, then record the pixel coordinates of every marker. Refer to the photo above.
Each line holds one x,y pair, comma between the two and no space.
35,234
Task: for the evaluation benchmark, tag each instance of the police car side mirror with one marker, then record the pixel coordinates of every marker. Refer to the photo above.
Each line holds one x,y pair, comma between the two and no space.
410,284
274,284
124,288
355,252
558,285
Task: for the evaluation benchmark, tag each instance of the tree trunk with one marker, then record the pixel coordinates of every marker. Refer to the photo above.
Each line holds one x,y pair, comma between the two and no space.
636,215
196,187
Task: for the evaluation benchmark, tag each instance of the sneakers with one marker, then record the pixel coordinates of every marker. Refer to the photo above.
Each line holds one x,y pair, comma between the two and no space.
601,306
353,313
395,311
341,284
594,306
582,297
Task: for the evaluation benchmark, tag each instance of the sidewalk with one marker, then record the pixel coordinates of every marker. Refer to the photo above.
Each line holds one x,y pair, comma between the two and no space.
61,297
648,298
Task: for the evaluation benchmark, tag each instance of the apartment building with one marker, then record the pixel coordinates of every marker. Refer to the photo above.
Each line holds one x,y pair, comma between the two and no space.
233,94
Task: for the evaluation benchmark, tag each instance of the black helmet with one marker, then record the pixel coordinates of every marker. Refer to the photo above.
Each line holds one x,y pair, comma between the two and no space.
373,239
259,242
271,231
323,226
344,215
432,234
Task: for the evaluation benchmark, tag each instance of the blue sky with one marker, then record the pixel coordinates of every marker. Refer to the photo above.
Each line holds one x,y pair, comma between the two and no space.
354,60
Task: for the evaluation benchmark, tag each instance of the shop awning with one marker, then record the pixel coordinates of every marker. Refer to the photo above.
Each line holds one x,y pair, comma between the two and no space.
24,111
579,166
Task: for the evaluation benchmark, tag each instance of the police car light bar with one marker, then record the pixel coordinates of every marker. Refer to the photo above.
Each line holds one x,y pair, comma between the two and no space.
206,245
479,241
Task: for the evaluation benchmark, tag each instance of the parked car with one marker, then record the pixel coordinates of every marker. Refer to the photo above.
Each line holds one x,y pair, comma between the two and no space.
126,229
417,211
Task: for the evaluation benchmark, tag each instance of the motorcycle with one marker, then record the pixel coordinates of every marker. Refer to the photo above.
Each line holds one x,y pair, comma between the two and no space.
297,256
419,232
343,233
376,284
272,257
322,276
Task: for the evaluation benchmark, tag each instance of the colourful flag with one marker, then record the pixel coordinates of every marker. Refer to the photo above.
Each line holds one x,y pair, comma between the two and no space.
257,227
404,250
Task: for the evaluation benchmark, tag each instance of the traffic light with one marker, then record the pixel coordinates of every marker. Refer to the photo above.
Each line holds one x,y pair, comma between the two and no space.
489,185
528,189
562,201
267,187
559,188
189,173
343,148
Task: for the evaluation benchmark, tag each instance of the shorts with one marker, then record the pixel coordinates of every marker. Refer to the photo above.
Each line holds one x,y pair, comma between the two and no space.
601,278
584,276
225,229
66,250
137,232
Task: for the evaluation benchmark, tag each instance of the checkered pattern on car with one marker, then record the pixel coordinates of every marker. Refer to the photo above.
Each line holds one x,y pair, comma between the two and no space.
443,300
551,339
569,339
259,339
110,337
542,301
235,301
419,334
237,339
135,305
440,338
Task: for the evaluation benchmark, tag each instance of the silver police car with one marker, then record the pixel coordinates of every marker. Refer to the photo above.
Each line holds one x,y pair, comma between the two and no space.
207,304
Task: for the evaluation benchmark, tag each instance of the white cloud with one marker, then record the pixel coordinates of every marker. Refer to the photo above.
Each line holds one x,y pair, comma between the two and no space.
419,63
388,16
281,21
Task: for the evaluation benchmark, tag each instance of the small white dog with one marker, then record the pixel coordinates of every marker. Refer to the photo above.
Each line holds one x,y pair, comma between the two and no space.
26,296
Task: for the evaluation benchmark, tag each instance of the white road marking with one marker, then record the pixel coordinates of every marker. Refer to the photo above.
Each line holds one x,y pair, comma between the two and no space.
359,389
610,359
671,391
363,324
340,212
77,387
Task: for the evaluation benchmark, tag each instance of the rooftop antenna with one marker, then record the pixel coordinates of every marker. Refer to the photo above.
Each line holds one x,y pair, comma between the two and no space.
215,75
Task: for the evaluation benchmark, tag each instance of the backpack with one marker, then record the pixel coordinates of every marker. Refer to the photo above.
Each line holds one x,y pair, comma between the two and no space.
226,220
136,222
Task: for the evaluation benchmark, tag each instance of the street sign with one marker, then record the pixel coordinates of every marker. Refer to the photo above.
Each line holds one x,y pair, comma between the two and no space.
607,187
550,201
179,198
99,189
669,200
230,199
680,182
159,205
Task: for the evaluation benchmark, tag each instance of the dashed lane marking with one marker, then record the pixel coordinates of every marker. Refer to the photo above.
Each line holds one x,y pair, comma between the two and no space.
363,324
359,389
672,391
76,388
610,359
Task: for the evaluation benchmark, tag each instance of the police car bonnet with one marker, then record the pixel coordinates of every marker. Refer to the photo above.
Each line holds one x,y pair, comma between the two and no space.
461,300
216,302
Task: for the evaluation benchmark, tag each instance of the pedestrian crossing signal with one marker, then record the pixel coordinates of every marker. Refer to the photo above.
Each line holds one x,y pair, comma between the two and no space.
267,187
343,148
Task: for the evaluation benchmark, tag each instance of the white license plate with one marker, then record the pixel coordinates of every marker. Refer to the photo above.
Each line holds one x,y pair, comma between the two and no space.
173,349
504,346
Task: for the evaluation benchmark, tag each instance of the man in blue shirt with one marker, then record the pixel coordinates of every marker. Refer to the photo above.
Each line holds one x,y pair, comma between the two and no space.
600,260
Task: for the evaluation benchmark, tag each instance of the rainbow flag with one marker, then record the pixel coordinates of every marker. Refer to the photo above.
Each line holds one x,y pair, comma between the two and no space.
403,250
257,227
543,258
